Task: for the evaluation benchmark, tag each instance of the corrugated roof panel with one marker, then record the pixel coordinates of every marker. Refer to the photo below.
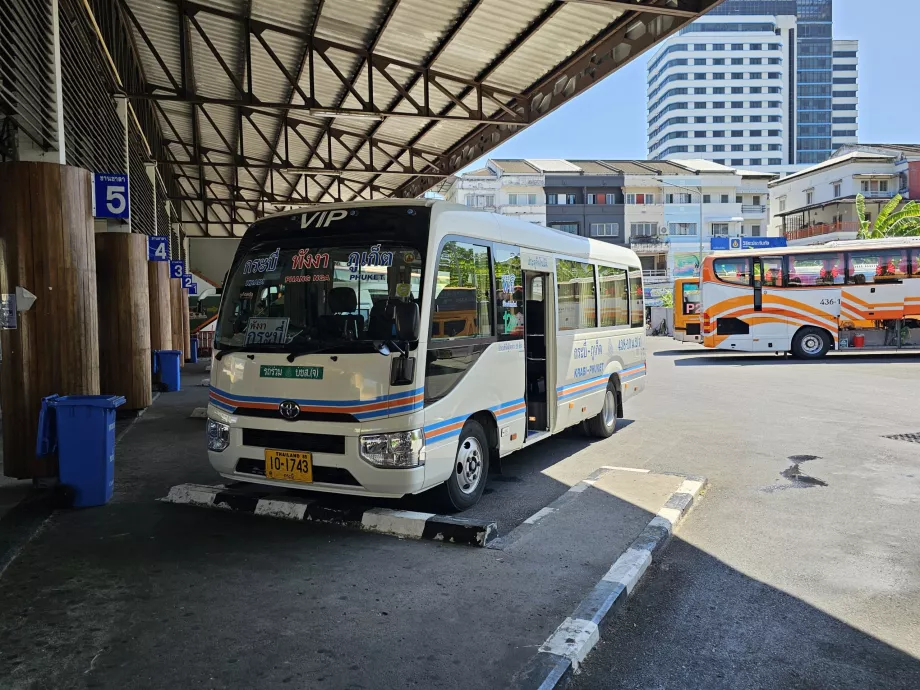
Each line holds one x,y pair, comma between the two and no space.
558,39
351,22
210,78
160,22
269,84
594,167
224,127
290,15
515,165
551,165
416,28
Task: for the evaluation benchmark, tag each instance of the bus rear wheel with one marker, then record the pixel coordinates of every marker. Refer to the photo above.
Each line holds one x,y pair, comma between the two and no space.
467,480
810,343
604,423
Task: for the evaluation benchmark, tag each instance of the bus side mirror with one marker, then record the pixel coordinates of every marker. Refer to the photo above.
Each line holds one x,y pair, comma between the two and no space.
407,319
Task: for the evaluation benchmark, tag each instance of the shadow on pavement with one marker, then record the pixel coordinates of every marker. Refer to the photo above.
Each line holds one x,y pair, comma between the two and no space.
732,359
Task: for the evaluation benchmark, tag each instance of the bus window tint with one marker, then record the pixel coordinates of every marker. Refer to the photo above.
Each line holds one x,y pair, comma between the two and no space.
735,270
614,300
690,299
462,296
878,266
915,262
772,272
577,307
815,269
636,298
509,293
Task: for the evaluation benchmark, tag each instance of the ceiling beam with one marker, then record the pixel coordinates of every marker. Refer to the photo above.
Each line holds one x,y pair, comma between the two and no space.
626,6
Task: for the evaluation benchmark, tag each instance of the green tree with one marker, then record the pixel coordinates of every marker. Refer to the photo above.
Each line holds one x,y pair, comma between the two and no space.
889,223
667,299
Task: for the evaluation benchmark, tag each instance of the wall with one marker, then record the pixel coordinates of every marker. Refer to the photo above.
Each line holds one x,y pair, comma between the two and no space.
585,214
210,257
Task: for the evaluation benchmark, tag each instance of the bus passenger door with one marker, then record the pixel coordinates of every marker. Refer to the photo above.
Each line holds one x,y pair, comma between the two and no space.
729,302
536,351
770,330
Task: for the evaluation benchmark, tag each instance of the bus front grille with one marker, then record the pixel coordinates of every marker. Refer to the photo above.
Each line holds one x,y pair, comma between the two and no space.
290,440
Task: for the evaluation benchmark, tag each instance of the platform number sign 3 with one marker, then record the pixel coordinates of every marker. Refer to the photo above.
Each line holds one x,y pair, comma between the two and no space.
176,269
110,196
157,249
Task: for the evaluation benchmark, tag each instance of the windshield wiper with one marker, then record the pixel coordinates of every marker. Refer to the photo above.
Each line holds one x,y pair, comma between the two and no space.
328,347
243,348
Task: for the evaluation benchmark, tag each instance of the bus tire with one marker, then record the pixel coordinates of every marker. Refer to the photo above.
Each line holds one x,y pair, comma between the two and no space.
810,343
467,480
604,423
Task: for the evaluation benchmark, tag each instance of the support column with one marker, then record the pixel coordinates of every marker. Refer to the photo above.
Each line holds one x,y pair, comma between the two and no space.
175,301
124,317
160,305
46,247
186,327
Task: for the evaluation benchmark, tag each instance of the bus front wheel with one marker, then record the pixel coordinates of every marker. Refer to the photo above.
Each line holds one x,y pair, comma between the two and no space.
810,343
467,480
604,423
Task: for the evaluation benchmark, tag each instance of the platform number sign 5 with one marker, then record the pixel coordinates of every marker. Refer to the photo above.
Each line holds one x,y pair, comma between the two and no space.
176,269
157,249
110,196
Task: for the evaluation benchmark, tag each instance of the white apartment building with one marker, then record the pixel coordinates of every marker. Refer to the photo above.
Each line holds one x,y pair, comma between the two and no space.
510,187
818,204
748,91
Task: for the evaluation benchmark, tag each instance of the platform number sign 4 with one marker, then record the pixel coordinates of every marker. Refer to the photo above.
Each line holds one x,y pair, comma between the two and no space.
110,196
176,269
157,249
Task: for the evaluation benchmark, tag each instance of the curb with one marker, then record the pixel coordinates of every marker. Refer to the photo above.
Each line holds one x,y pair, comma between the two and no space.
400,523
562,652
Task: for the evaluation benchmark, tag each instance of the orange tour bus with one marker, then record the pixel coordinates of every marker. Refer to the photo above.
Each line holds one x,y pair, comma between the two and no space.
687,310
809,300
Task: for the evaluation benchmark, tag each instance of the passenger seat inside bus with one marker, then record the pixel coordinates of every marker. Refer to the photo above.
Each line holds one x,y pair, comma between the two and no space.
341,323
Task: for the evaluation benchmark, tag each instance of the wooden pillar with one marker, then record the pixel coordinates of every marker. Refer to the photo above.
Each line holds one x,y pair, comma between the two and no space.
159,305
186,327
175,304
46,247
124,317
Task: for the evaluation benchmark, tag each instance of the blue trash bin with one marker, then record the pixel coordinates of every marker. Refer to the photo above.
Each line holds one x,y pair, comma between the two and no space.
167,365
82,427
193,350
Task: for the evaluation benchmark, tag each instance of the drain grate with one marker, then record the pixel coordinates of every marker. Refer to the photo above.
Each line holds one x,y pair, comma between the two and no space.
912,438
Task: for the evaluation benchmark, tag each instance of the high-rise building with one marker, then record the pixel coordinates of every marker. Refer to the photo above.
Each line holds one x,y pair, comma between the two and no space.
754,83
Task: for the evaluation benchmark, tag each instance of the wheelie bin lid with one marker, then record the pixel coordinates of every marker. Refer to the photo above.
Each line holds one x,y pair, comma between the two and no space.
106,401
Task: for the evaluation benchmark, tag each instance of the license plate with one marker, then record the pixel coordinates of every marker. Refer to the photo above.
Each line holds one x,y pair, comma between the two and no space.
289,465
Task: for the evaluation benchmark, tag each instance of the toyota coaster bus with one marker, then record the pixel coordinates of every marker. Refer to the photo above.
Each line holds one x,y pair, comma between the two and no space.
390,347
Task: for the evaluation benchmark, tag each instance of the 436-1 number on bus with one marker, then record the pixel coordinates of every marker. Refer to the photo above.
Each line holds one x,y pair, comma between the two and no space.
830,301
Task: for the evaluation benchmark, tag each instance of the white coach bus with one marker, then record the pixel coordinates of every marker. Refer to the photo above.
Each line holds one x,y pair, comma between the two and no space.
386,348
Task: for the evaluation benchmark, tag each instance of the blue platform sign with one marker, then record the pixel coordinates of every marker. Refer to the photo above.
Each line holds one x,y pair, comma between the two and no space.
723,243
110,196
187,280
193,288
176,269
157,249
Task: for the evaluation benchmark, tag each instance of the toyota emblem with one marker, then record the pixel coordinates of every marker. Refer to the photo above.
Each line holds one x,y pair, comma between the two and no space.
289,409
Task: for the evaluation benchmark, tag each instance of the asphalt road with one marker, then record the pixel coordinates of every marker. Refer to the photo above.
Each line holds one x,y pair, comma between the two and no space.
801,567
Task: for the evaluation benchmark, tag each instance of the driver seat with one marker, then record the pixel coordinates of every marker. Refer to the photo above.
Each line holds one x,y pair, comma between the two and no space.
341,323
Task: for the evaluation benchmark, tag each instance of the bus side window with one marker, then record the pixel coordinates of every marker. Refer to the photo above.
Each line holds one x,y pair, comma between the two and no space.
772,272
462,300
509,293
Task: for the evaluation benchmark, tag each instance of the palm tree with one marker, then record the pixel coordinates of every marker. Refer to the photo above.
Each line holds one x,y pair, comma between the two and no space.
905,222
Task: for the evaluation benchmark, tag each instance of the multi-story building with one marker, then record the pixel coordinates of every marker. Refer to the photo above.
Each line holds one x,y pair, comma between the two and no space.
666,211
818,204
754,83
508,186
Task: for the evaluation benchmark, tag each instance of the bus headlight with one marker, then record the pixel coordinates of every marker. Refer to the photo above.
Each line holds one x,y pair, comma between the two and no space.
400,449
218,436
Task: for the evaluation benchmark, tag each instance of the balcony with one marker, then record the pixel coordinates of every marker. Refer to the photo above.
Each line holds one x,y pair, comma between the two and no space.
656,275
878,195
650,244
821,229
753,209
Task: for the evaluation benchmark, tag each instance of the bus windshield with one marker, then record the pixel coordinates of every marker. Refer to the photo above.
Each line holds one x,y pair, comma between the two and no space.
283,295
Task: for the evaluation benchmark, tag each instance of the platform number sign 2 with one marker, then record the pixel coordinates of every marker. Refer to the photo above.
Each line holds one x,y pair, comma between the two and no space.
157,249
110,196
187,280
176,269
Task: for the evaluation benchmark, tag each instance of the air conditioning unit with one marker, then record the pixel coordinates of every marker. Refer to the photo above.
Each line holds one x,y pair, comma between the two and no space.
662,231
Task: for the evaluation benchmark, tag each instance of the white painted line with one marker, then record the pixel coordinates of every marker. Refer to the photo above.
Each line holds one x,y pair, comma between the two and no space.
573,640
289,510
542,513
402,523
626,469
629,568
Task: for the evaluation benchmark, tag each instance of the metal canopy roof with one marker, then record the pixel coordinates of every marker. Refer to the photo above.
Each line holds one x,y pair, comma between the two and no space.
268,104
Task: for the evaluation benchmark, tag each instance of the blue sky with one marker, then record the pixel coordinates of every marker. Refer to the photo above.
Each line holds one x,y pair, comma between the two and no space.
608,120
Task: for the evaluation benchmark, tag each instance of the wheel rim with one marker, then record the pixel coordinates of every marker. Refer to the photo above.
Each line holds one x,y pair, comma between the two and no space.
812,344
468,468
610,409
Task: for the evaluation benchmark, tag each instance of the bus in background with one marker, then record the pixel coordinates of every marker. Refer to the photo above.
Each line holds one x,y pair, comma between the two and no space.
809,300
687,310
387,348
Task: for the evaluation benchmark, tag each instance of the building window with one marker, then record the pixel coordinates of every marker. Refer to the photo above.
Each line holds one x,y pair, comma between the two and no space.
605,229
480,200
718,147
718,46
737,89
699,134
755,161
757,104
706,198
699,119
699,76
756,75
601,199
773,133
699,106
776,161
718,133
774,75
638,230
756,133
640,198
522,199
699,90
756,61
737,104
836,190
699,149
756,46
756,89
737,46
577,306
755,230
782,203
718,119
756,118
737,147
737,132
809,196
571,228
737,61
773,89
699,61
755,147
737,118
720,229
681,198
774,147
718,61
774,61
873,186
718,90
680,229
699,46
737,161
773,118
738,199
720,161
723,199
718,75
560,199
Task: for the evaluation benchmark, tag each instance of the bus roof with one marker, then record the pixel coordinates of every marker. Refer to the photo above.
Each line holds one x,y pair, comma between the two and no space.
862,245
